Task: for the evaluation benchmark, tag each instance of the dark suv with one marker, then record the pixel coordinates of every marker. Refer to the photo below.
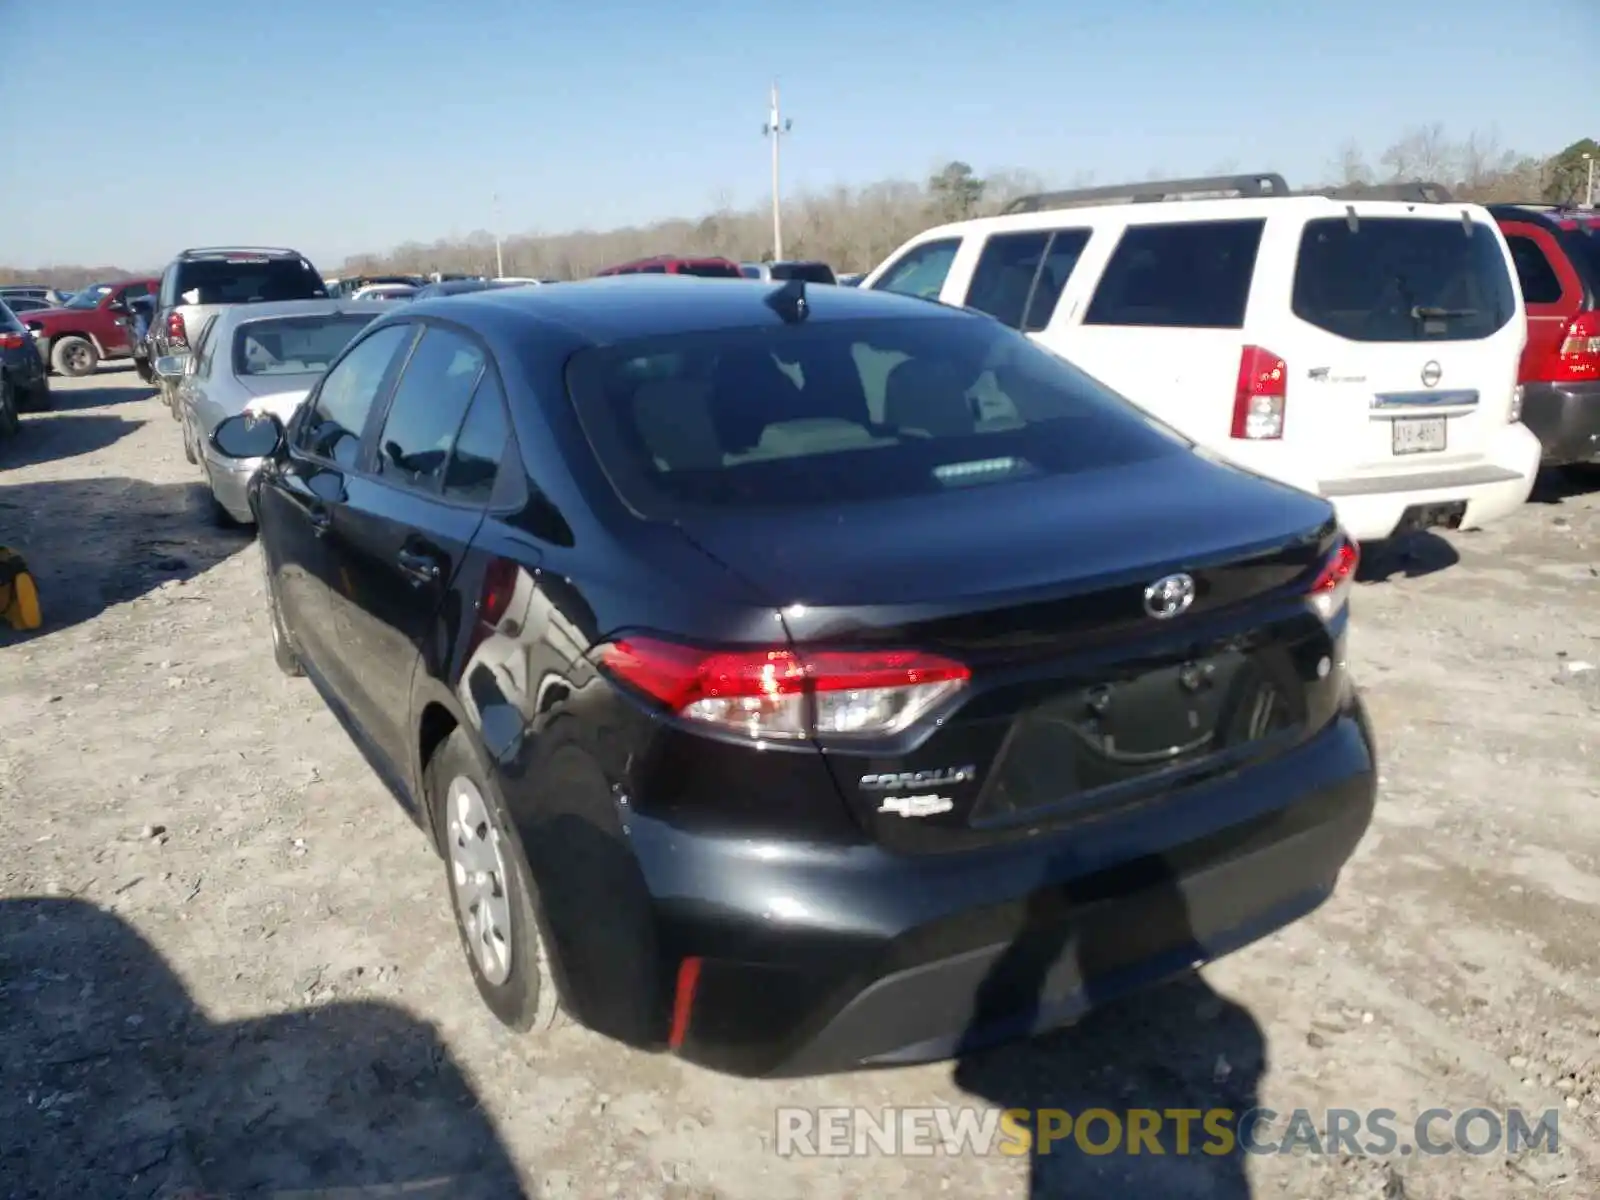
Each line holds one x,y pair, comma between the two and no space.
1557,255
770,703
199,283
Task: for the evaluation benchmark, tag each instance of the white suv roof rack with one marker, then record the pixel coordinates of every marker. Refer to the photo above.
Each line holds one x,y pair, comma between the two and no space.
1255,186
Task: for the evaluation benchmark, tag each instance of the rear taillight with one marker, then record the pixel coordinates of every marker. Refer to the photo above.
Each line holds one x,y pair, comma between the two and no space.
783,693
1261,397
12,341
1577,358
177,332
1330,590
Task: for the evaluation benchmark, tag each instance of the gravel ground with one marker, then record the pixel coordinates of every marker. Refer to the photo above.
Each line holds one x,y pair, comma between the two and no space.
227,964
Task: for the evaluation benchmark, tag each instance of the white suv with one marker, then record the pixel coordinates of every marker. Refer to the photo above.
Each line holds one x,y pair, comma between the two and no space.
1355,345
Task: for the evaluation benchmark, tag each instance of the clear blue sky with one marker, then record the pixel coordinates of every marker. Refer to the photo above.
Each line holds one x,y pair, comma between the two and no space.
345,125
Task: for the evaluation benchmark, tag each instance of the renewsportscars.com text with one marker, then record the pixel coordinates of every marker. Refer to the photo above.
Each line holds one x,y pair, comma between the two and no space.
1374,1132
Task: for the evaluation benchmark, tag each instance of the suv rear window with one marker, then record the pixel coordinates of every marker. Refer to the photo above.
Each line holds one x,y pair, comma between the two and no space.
709,270
1402,279
247,280
809,272
1587,243
844,411
1191,275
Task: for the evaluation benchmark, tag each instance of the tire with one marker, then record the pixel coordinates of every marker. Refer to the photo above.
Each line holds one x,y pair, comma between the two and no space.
74,356
10,423
146,372
283,652
513,974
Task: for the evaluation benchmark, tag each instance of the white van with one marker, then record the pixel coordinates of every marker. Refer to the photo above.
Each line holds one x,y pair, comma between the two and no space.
1356,345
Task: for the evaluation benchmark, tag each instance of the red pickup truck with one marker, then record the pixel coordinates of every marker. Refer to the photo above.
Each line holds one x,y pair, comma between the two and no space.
94,325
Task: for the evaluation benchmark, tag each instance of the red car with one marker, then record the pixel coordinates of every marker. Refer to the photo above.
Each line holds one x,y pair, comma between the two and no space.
667,264
95,325
1557,256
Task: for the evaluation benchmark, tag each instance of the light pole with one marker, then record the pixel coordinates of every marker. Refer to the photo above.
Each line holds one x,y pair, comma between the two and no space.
776,128
499,263
1588,187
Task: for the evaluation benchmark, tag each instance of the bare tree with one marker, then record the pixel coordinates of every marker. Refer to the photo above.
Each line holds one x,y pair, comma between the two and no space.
1425,153
1351,165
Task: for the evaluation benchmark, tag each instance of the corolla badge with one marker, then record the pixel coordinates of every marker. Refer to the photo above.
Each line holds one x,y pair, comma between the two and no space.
1169,596
900,781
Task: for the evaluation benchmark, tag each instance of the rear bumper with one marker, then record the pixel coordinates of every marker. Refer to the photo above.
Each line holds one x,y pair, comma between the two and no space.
817,959
1565,417
1493,487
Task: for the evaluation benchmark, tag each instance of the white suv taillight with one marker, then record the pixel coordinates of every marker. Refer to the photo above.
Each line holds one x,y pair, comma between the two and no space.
787,694
1330,590
1514,414
1261,398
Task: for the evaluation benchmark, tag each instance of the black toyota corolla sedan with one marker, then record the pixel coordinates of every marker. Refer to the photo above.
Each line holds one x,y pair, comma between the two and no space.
805,678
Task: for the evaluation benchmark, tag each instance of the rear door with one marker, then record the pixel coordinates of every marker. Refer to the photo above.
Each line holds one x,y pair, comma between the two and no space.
1401,330
408,520
1163,322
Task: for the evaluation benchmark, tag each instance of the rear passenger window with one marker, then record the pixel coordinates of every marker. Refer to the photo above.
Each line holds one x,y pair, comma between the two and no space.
475,459
1538,279
1019,276
429,404
1194,275
921,271
1402,279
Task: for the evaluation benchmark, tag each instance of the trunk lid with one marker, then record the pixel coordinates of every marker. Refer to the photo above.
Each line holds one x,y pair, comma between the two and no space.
1079,698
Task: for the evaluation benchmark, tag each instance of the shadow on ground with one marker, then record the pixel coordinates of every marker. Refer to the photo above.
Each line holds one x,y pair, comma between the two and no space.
92,543
117,1086
1410,557
1145,1059
101,395
1557,486
53,437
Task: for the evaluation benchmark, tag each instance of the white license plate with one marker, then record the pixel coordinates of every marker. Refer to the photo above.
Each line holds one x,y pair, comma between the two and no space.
1418,435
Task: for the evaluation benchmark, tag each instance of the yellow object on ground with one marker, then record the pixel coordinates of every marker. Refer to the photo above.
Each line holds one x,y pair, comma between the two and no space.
19,597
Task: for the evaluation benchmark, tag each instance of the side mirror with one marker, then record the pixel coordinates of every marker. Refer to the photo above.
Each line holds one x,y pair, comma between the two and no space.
171,366
248,435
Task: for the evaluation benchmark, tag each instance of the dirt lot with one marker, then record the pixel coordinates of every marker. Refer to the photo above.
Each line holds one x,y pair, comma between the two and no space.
227,962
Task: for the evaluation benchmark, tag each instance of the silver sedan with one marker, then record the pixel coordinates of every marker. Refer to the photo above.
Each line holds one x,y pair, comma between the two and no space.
265,357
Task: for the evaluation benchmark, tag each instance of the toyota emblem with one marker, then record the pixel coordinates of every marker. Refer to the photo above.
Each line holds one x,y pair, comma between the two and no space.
1169,596
1431,373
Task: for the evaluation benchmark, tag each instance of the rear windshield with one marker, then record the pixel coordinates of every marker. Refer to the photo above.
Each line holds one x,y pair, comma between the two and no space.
8,320
1588,244
708,270
293,345
844,411
810,272
245,281
1397,279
